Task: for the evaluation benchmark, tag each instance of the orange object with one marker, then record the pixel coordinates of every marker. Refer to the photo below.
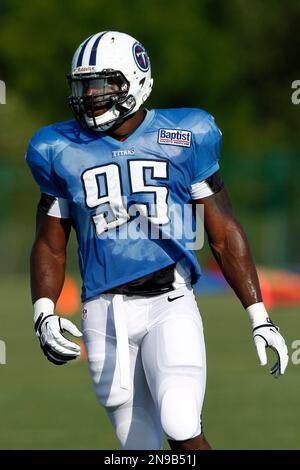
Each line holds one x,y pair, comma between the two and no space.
266,291
69,300
83,350
287,290
279,287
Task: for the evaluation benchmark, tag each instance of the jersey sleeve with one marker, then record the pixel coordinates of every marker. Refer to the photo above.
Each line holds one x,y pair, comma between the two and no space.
48,182
207,139
42,172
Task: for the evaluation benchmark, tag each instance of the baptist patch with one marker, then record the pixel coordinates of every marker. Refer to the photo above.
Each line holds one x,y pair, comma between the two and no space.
175,137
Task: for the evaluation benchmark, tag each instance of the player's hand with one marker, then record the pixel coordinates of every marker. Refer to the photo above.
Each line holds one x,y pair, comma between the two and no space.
49,329
266,335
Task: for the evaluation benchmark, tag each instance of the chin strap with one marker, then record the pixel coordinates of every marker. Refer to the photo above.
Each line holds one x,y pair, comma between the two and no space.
125,108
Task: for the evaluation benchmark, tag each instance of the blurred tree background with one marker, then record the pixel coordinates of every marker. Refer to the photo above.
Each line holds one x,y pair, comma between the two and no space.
235,59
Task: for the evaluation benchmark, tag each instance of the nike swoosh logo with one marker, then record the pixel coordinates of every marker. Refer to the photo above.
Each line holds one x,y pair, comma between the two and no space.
175,298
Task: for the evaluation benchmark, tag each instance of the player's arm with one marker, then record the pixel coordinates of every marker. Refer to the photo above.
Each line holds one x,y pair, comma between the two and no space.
230,247
47,270
48,257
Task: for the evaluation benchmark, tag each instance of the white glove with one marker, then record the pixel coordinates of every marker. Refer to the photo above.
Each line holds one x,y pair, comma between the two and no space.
49,329
266,335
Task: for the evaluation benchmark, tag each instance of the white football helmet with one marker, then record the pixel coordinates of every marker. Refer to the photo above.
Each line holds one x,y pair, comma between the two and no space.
110,79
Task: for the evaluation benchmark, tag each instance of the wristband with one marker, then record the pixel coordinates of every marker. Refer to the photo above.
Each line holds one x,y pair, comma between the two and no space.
257,313
42,305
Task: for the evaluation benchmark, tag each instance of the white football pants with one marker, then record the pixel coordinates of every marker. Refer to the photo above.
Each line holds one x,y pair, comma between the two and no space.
147,360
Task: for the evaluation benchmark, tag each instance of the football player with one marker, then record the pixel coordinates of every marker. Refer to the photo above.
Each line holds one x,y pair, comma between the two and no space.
124,178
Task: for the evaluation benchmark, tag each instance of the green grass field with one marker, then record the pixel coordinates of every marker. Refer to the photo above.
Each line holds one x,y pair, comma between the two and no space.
48,407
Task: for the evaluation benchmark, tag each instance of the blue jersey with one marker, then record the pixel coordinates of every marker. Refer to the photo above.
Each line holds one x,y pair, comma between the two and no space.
127,200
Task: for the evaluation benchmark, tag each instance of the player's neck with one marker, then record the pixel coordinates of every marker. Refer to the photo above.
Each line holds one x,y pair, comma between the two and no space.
128,126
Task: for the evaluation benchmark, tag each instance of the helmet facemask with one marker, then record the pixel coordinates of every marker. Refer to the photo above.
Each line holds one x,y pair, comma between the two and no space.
100,99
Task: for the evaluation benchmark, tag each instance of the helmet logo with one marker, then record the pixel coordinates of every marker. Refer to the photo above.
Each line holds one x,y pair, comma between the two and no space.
141,57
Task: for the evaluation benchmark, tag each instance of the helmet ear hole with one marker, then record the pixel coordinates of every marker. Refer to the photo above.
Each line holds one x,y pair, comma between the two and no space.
141,82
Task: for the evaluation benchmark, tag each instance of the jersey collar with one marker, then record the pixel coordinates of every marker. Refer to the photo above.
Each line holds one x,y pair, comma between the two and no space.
136,133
